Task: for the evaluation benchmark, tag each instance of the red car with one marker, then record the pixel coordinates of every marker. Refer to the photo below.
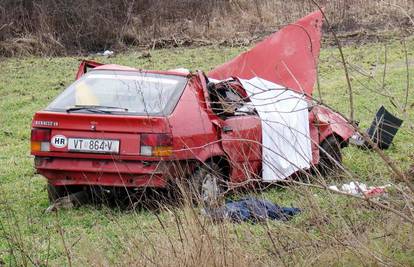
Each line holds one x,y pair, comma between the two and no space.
117,126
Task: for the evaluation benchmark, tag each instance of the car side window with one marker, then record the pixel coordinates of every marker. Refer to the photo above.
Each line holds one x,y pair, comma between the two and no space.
226,102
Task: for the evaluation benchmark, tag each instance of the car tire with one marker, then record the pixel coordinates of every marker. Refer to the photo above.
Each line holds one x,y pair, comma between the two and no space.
330,156
208,185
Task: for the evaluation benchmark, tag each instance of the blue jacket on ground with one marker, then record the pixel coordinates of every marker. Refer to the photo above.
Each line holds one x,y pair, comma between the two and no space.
253,210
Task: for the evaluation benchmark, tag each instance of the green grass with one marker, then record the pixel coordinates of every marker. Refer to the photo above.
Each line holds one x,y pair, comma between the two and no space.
102,236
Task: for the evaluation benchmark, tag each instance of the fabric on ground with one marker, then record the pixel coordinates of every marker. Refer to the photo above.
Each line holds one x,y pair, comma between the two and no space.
253,210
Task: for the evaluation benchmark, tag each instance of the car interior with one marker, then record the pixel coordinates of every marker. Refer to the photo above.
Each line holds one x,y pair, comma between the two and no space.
226,102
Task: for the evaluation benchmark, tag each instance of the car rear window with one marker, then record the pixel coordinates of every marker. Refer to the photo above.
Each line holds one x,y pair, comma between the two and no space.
140,93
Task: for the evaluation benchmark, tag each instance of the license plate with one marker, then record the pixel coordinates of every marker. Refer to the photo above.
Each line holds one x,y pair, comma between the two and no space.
93,145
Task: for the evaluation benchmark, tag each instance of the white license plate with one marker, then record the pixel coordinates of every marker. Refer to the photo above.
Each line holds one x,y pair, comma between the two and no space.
93,145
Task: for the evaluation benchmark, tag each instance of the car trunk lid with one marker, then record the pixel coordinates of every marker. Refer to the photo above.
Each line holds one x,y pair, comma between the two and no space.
96,133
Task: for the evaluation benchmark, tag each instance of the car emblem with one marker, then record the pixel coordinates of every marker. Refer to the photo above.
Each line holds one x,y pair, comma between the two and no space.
46,123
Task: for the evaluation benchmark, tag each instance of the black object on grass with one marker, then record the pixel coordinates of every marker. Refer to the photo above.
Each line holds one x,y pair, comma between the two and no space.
383,128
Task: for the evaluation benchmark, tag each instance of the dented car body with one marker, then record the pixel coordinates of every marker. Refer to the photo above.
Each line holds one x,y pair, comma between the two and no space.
117,126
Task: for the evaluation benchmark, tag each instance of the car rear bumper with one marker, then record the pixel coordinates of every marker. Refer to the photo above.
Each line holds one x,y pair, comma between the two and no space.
71,171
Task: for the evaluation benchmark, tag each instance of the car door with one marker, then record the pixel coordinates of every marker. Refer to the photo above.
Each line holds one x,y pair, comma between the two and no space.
241,135
241,140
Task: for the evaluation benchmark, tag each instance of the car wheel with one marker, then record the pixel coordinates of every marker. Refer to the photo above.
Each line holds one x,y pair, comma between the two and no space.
330,156
208,184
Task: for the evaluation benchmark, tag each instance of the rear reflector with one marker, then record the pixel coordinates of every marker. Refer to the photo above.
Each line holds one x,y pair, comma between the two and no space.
157,145
37,146
162,151
40,140
146,150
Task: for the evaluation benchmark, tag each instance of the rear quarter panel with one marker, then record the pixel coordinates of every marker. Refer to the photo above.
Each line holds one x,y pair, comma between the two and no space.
195,136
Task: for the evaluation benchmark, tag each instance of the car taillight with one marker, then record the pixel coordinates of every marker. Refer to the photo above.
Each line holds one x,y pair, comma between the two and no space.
40,140
158,145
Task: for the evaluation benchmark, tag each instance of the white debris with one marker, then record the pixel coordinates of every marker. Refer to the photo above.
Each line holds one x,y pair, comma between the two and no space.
107,53
333,187
360,189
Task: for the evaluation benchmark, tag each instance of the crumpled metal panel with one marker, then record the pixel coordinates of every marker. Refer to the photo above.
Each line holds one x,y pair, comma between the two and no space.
288,57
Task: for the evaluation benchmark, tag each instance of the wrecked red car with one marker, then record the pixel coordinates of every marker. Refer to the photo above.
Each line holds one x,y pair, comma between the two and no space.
117,126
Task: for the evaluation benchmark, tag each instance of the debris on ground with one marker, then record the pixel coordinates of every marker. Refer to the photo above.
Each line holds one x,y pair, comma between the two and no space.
250,209
383,128
381,132
361,189
106,53
69,201
357,140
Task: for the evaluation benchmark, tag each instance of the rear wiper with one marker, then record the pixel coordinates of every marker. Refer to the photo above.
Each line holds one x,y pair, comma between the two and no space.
109,107
94,108
87,108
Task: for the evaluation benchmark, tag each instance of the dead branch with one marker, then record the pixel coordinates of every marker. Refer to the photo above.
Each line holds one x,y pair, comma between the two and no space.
348,81
407,70
367,199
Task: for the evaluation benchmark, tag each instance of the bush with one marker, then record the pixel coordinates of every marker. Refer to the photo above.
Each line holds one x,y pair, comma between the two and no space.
55,27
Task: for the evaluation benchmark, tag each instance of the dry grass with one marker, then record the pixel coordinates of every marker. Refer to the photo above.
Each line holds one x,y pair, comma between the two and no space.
348,232
61,27
332,229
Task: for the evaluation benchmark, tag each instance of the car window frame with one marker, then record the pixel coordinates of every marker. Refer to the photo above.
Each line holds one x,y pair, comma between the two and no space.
168,109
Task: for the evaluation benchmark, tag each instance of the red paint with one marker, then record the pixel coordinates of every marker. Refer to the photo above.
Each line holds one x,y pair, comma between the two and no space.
85,65
40,134
288,57
156,139
243,146
330,122
193,131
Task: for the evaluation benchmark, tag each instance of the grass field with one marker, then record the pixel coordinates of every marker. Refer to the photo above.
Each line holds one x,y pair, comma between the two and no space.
331,230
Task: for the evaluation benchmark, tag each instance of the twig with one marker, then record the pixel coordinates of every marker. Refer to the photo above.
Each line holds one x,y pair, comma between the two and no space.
408,75
401,176
166,233
367,199
385,67
402,10
60,230
348,81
